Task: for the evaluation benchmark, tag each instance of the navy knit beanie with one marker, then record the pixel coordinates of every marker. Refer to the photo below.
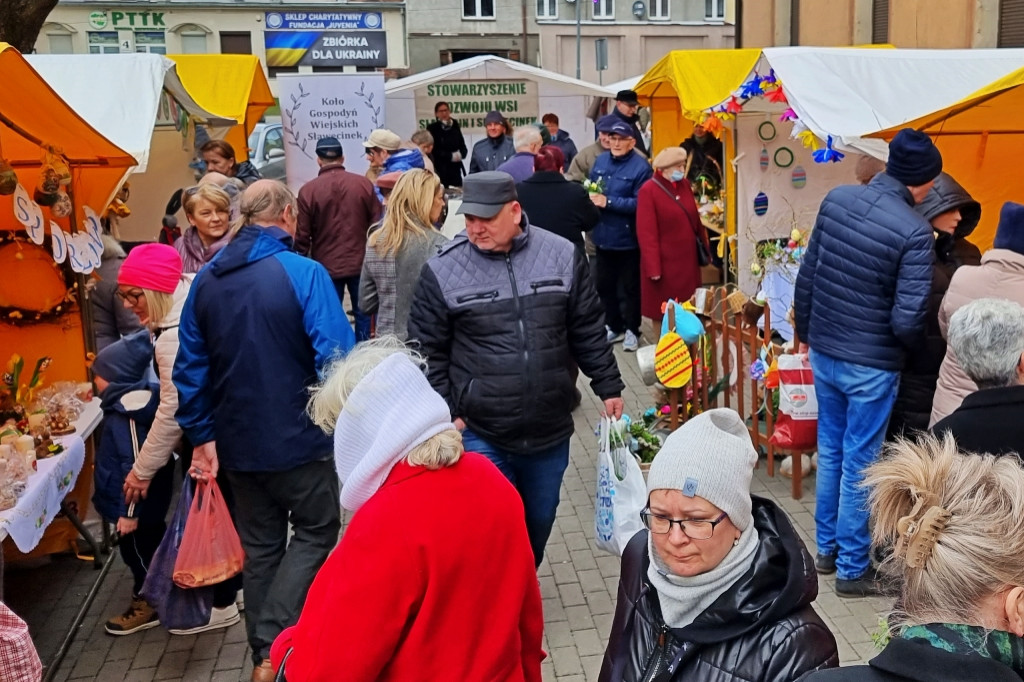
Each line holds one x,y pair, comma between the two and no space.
1010,233
125,361
913,159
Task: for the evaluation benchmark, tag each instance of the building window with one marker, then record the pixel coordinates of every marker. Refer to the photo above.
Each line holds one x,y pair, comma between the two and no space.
60,43
193,42
547,9
235,42
477,9
714,10
1011,23
103,42
150,41
659,9
604,9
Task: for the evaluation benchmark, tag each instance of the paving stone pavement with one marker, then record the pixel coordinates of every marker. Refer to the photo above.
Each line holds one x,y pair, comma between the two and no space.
578,584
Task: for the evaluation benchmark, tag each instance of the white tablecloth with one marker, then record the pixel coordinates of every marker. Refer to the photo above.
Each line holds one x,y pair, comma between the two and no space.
54,478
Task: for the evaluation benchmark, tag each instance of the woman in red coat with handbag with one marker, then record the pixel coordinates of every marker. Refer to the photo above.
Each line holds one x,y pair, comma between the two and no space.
668,229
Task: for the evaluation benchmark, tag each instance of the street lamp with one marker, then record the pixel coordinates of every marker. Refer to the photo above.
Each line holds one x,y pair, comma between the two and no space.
577,4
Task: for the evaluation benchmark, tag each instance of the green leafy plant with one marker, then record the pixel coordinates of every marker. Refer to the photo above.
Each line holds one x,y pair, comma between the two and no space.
647,443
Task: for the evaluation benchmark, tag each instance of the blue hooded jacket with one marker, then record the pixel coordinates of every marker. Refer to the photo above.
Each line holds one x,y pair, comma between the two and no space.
403,160
623,177
259,325
115,454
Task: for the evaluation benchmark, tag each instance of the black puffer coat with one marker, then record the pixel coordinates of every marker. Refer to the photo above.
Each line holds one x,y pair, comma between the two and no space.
762,630
501,331
913,407
862,290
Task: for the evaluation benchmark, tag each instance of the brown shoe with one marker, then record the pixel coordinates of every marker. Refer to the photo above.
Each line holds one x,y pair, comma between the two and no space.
139,616
264,672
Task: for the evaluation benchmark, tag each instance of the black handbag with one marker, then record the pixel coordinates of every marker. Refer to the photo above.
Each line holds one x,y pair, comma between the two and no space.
703,252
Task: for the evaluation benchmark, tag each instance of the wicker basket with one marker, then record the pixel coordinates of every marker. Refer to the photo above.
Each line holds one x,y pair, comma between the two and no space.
735,301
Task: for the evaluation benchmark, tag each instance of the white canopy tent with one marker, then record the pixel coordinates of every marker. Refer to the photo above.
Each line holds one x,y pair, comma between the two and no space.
566,97
122,97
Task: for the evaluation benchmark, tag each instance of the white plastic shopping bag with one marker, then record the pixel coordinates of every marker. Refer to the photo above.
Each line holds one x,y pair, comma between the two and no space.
796,426
621,490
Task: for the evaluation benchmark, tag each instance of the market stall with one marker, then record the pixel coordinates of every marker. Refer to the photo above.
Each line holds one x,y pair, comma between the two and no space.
474,86
56,175
139,102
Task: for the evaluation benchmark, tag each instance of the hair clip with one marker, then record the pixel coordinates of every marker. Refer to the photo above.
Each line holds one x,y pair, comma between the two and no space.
919,535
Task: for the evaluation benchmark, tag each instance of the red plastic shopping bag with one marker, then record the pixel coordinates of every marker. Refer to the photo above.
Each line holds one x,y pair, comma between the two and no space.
210,550
797,424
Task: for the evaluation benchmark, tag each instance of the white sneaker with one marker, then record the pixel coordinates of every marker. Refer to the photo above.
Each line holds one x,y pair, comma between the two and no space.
614,337
630,343
219,618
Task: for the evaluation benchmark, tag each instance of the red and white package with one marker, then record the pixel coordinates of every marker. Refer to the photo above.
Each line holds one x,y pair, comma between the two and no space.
796,427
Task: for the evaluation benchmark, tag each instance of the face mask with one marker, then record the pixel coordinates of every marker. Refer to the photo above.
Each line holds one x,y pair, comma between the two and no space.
677,175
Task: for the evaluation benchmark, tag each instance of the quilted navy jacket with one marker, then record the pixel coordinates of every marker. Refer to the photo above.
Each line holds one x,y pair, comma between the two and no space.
501,331
863,286
622,176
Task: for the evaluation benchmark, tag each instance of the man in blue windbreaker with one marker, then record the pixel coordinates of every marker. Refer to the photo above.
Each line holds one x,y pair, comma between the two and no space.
259,325
621,171
860,304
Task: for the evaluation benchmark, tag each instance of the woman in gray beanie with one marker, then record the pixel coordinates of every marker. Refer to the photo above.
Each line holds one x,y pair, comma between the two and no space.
719,588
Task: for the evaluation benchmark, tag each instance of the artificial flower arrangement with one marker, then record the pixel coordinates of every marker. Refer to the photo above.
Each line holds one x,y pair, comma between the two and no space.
594,186
782,250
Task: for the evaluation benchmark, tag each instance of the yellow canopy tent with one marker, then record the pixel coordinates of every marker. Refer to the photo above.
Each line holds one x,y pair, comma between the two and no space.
683,84
228,85
981,136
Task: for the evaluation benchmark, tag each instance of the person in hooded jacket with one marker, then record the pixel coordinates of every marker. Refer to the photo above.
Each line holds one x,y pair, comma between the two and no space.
496,148
111,320
560,138
129,402
953,214
955,521
719,587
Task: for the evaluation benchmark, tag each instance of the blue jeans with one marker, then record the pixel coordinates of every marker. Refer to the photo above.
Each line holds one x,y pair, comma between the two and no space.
854,403
537,477
362,319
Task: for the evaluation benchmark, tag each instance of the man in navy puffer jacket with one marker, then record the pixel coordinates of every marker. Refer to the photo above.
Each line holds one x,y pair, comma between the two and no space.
861,299
621,171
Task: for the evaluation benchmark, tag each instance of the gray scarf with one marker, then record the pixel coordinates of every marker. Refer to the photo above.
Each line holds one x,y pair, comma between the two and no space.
683,599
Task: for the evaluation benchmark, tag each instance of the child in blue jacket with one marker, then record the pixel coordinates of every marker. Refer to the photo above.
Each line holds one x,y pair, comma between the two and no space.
129,400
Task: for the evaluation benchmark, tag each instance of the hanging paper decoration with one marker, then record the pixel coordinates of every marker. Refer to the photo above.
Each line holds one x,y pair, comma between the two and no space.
764,158
799,177
809,139
770,80
733,106
761,203
672,363
776,96
752,88
828,154
58,243
783,157
713,124
788,115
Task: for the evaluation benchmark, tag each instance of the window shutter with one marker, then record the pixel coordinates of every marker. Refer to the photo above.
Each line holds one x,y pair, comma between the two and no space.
880,22
1011,23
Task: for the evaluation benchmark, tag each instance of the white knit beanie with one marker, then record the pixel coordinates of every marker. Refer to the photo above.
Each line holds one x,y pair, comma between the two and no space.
391,410
709,456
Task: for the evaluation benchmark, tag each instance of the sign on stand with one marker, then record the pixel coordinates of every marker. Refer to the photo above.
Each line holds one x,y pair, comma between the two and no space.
347,106
470,101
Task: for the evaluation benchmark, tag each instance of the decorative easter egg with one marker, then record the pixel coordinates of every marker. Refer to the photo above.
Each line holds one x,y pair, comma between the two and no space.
799,177
764,158
761,203
791,245
795,235
672,363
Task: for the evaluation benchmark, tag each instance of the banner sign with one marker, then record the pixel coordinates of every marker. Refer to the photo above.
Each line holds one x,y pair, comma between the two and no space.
326,48
323,21
471,100
348,106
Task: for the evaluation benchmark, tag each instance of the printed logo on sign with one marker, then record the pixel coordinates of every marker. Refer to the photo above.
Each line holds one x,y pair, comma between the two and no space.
372,20
274,20
98,20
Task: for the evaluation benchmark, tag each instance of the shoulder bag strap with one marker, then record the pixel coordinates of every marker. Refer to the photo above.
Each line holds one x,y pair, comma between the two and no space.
676,199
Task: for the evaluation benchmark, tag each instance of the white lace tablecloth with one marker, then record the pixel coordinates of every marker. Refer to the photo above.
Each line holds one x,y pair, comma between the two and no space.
54,478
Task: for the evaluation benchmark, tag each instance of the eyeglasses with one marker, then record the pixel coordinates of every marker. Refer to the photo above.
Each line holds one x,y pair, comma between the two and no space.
695,529
373,150
131,296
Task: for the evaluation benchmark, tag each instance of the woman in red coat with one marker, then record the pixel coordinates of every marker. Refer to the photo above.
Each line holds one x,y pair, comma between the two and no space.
667,228
433,579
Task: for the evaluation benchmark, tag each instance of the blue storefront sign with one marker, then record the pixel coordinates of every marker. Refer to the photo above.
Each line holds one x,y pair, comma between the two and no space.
323,21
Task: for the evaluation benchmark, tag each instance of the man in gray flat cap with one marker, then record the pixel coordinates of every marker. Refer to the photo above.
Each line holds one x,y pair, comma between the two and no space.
502,313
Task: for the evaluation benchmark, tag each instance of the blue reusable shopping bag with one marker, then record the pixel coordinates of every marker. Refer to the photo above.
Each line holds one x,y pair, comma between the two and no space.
177,607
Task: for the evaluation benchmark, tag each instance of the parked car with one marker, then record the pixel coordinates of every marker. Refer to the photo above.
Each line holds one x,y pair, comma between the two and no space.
266,149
